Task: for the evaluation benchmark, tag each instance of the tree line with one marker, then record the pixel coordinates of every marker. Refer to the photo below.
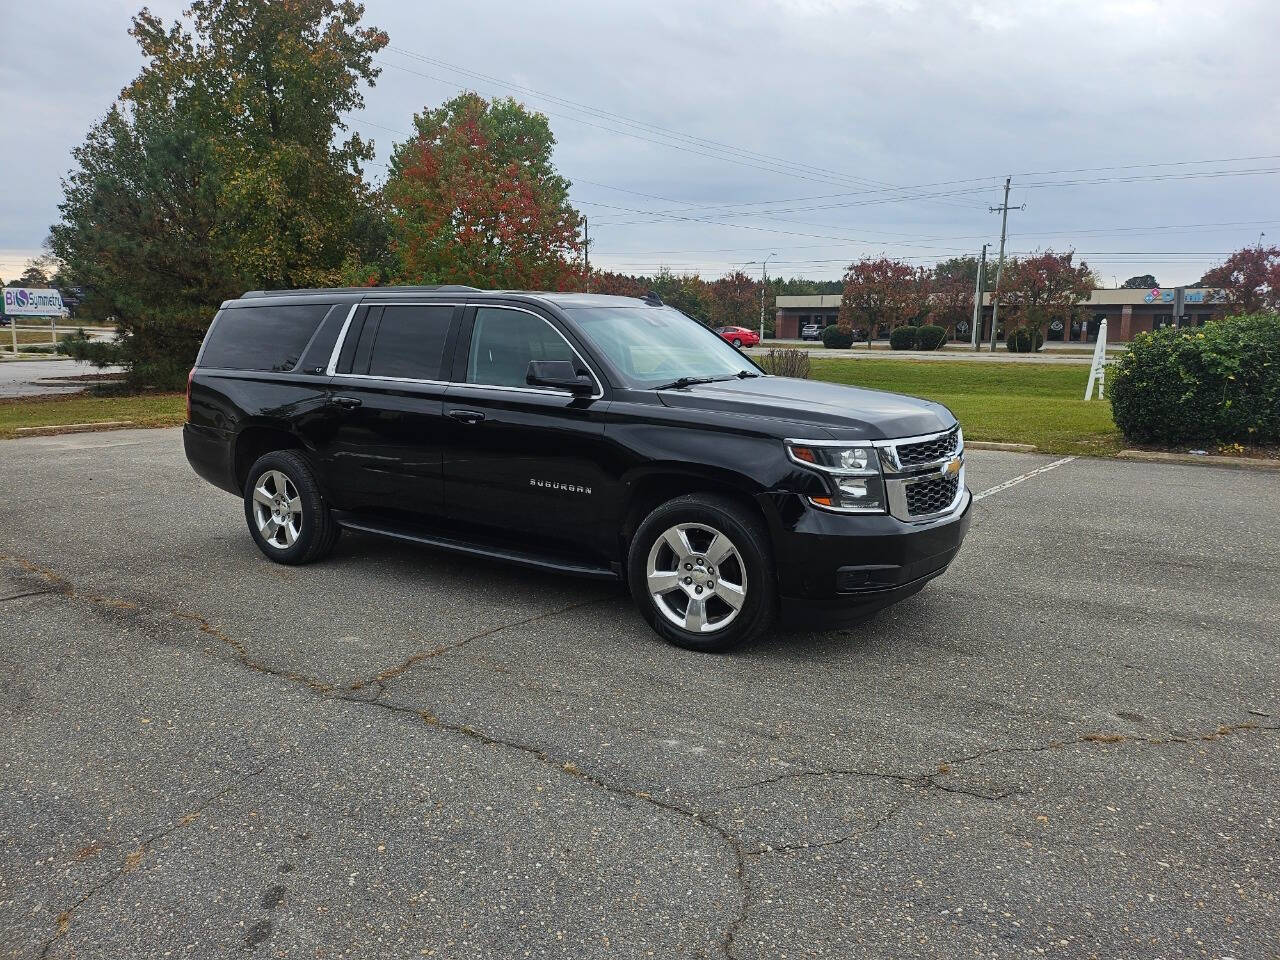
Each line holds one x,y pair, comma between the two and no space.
227,165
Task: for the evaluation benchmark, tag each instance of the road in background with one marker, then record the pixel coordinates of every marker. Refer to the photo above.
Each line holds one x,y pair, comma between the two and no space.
29,378
1068,745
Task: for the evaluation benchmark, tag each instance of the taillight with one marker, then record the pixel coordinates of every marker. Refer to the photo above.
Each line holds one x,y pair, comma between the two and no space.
190,375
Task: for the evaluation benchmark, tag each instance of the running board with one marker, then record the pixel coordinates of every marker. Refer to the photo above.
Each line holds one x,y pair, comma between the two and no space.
503,554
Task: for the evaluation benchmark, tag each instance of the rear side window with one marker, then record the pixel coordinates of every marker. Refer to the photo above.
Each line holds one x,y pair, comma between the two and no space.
269,337
409,342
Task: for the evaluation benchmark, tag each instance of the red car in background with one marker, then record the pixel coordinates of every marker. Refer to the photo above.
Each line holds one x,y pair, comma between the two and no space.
739,336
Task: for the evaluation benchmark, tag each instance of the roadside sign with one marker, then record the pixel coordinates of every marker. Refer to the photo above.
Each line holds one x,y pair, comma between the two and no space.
1097,372
32,302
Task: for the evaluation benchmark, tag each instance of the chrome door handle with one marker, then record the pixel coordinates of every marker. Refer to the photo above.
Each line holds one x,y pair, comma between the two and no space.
466,416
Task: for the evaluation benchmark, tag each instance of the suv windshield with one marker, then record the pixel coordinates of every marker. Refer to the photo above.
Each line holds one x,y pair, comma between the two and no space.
655,346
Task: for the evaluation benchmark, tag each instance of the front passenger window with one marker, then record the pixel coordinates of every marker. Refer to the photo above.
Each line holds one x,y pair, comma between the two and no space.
504,341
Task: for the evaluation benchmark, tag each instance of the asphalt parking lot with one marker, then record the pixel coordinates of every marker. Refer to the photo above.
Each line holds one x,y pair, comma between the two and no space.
1069,745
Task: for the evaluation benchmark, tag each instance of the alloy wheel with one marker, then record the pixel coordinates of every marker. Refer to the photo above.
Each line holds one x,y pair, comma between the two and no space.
277,509
696,577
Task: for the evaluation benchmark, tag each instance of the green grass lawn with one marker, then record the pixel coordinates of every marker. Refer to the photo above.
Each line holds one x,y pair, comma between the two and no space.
145,410
1011,402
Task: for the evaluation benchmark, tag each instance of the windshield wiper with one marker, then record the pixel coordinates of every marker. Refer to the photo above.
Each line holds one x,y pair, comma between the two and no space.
688,382
746,375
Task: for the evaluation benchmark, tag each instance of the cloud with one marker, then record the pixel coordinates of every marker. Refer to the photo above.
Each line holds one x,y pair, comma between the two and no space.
812,98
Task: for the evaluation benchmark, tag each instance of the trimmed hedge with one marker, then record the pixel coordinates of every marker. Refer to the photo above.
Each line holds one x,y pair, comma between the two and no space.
930,337
1216,384
1019,341
837,338
904,338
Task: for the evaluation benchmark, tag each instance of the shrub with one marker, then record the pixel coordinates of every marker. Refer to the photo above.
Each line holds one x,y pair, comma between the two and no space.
1020,341
930,337
1217,384
837,337
904,338
783,362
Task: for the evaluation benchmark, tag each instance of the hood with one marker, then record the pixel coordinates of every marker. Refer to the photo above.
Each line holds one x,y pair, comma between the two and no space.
846,413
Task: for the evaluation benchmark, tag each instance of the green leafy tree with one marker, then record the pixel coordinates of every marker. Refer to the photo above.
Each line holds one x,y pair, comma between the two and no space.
1144,282
219,169
32,276
473,198
687,292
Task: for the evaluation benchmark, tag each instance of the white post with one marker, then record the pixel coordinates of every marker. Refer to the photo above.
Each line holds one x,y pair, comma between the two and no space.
1097,371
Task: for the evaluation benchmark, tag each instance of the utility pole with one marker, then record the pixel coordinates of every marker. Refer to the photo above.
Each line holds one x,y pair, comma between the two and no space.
586,250
1003,210
975,335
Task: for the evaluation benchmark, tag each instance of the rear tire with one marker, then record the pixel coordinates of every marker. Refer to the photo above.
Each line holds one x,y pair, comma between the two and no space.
287,515
701,573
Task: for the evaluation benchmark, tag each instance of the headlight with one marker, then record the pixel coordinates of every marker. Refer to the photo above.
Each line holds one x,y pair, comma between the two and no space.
853,472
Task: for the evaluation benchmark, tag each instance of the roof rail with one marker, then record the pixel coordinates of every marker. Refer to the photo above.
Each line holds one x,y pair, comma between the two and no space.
435,288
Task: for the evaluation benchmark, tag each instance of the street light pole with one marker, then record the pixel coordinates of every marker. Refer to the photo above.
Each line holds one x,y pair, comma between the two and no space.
975,335
764,279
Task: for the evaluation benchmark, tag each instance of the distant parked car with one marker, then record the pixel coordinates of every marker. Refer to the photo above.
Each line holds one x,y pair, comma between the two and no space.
811,331
739,336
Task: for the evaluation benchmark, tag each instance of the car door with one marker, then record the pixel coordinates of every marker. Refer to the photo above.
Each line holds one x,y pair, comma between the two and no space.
384,451
523,460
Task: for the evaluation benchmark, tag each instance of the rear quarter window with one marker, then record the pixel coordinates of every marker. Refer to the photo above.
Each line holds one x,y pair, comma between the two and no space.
268,337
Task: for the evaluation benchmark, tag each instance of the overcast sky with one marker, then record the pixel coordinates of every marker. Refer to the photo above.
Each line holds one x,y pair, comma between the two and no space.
757,128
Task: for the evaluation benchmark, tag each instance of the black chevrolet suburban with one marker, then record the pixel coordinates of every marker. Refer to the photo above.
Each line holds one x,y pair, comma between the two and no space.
599,436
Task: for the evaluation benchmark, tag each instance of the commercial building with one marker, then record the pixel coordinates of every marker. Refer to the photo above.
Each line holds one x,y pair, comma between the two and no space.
1127,312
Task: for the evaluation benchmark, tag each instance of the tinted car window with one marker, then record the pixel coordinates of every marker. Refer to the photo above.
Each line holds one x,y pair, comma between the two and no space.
409,342
504,341
269,337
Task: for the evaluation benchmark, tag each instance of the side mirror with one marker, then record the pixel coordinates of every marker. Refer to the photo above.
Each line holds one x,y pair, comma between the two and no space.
559,375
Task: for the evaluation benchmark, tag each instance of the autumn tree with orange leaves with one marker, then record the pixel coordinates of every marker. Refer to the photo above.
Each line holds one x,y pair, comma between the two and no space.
473,198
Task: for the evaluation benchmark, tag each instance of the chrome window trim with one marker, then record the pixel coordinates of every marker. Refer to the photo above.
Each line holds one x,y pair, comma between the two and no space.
332,369
342,337
595,378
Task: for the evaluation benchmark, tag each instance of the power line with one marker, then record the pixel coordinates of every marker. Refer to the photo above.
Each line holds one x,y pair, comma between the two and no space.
686,142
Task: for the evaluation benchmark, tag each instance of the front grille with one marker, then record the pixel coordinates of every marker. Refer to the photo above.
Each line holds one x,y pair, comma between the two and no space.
931,496
928,451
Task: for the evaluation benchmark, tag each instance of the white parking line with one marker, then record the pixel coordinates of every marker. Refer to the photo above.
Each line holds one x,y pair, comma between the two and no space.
1017,480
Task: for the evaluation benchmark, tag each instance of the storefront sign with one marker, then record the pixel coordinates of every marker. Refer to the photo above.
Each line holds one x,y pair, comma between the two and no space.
1166,296
25,302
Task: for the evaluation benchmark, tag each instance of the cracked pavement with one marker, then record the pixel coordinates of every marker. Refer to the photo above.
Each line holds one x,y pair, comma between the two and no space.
1069,745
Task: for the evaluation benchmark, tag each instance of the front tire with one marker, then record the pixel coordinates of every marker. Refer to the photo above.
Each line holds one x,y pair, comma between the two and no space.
701,573
737,343
287,515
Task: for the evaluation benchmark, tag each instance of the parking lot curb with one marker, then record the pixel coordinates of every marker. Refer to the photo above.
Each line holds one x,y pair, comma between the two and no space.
1208,460
995,445
55,429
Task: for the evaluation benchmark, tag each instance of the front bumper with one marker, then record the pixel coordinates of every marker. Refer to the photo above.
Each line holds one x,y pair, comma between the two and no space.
837,569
